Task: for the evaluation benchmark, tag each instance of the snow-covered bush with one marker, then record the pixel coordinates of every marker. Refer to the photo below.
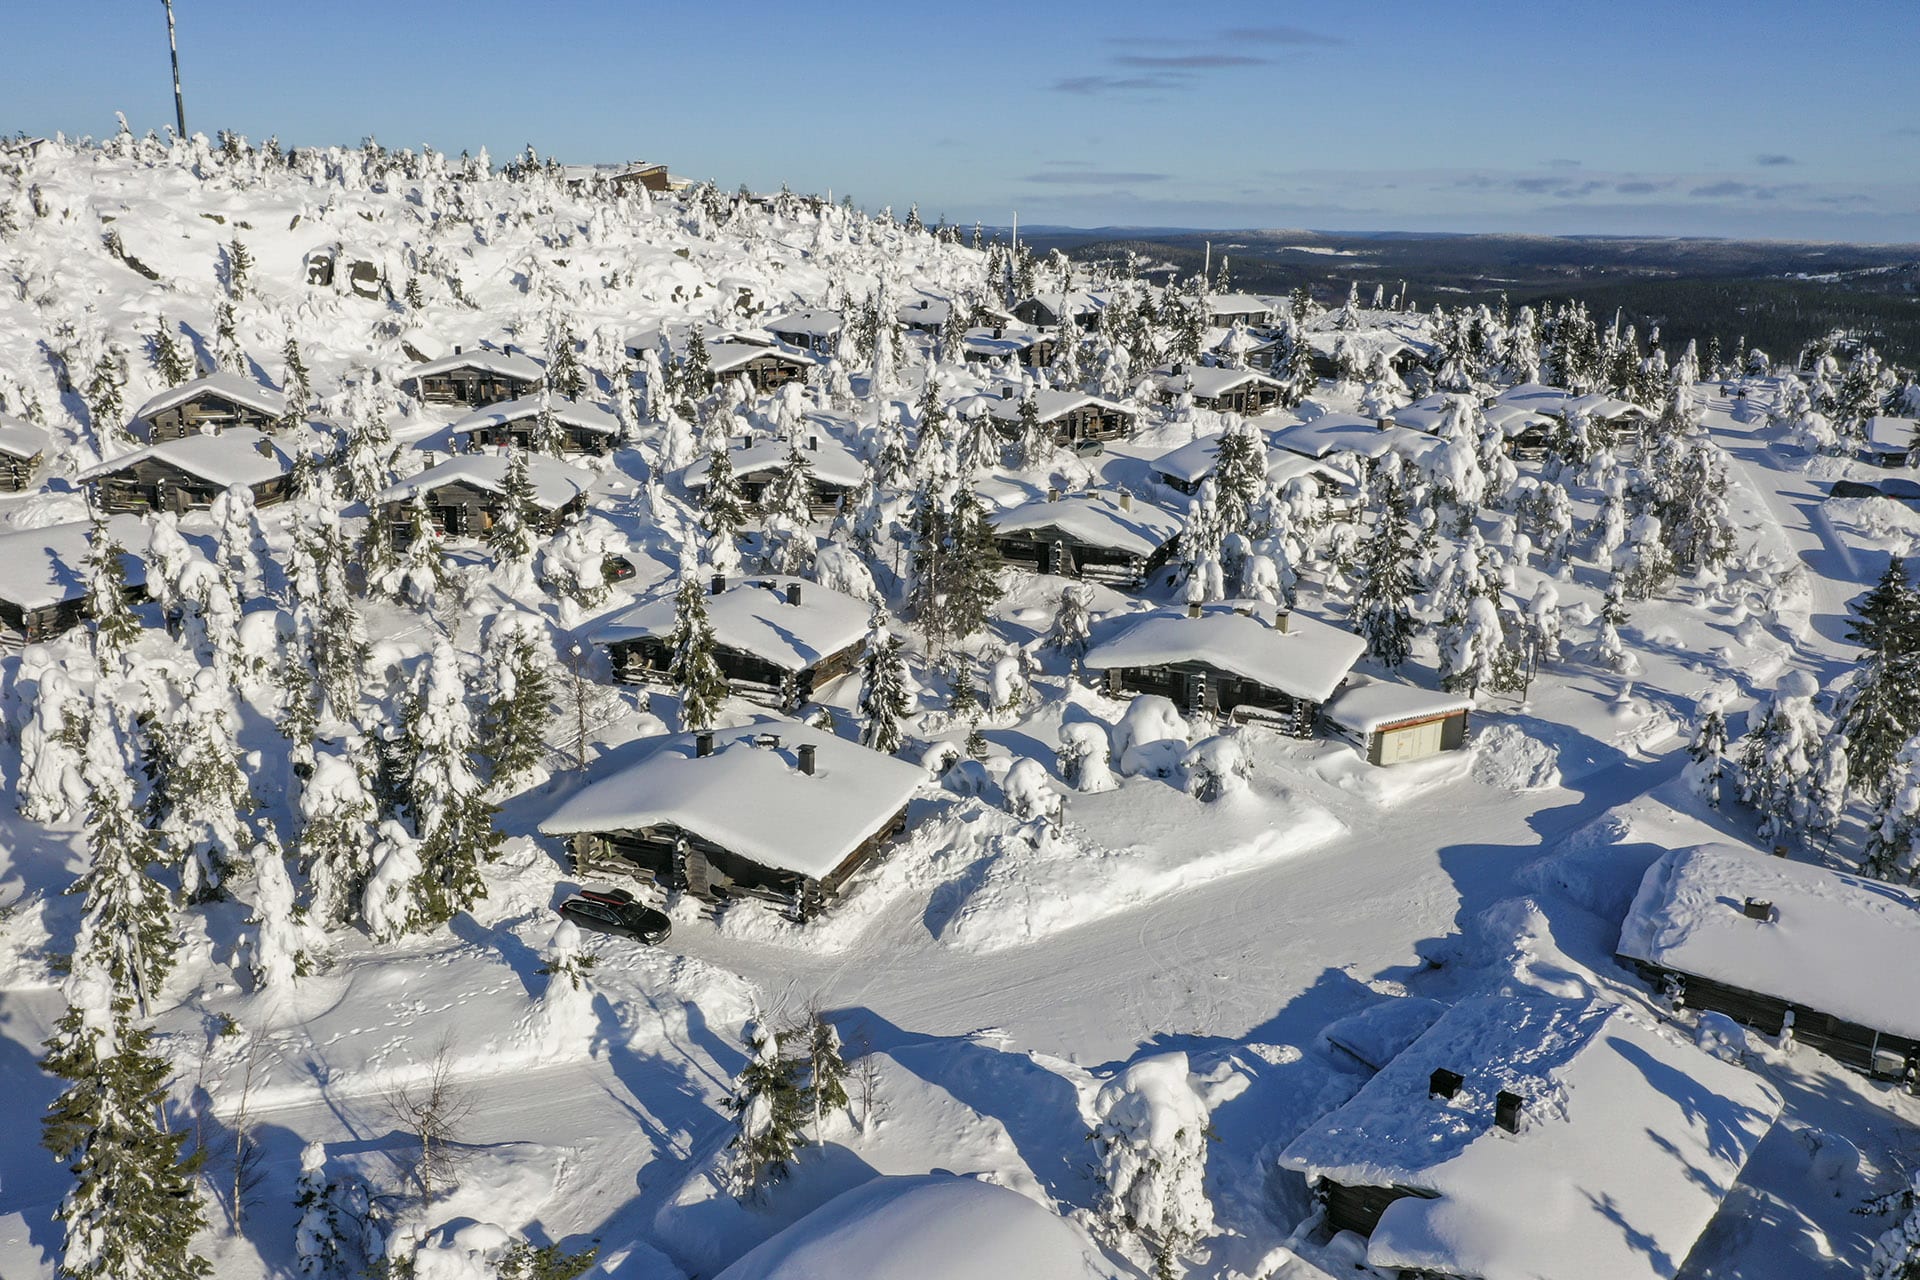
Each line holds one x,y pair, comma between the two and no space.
1028,792
1150,738
1085,756
1216,767
1150,1132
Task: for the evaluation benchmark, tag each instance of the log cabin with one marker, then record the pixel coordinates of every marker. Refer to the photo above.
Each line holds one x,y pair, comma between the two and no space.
43,584
1190,466
187,473
1051,310
1247,392
777,640
580,428
832,470
465,495
1776,944
1240,661
478,377
211,403
1536,1135
1029,347
775,810
23,447
1117,541
813,330
1226,309
1071,416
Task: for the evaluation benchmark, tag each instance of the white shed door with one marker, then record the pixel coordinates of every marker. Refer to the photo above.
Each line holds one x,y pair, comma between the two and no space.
1415,742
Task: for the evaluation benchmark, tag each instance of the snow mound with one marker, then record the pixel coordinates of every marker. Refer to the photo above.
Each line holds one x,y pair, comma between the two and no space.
931,1227
1507,757
1377,1035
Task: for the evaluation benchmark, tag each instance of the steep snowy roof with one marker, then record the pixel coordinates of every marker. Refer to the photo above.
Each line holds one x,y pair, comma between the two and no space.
1351,433
1368,705
1097,521
750,796
1830,945
814,322
555,484
831,461
1206,380
1300,656
41,567
506,364
1049,402
21,439
931,1226
1628,1142
572,413
238,455
244,392
754,616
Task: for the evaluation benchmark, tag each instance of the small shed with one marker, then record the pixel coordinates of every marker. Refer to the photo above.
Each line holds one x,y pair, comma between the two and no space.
1889,441
582,428
478,377
188,472
777,639
212,402
23,447
1773,943
464,495
1240,660
1071,416
1394,723
1030,347
1533,1135
775,810
43,585
834,470
1117,541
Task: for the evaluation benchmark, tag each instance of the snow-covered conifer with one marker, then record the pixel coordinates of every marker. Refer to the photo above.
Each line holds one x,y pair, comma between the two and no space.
115,627
445,800
1150,1128
277,945
338,831
51,784
883,687
518,661
1707,752
203,829
693,668
1383,600
424,572
513,537
163,348
242,542
1778,757
768,1105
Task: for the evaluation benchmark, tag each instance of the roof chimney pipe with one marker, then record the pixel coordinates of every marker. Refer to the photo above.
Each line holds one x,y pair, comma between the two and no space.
1758,909
793,594
1193,608
807,753
1444,1083
1506,1111
719,583
702,745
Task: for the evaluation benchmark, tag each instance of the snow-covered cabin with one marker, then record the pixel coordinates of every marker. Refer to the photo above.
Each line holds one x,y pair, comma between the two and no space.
1218,387
1242,660
1114,540
833,470
1335,433
1889,441
638,173
928,313
1071,416
187,473
766,368
1193,464
1767,941
22,448
1404,354
814,330
581,427
466,494
1394,723
1051,310
1029,347
931,1226
1224,309
43,584
210,403
478,377
1531,1135
776,639
1624,420
1527,433
775,810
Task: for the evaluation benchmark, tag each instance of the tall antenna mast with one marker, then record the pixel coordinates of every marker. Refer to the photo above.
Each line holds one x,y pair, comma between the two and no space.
173,49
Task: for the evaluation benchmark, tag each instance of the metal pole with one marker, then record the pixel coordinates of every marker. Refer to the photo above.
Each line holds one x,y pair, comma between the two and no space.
173,50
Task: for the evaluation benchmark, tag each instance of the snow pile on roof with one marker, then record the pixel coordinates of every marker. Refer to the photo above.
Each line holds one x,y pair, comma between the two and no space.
1206,381
1368,705
244,392
1048,402
1535,397
1830,941
830,460
1195,461
1307,660
555,484
932,1226
586,417
812,322
1628,1141
21,439
926,309
1000,339
41,567
1096,521
238,455
755,617
1600,405
733,353
1351,433
1512,419
505,364
750,796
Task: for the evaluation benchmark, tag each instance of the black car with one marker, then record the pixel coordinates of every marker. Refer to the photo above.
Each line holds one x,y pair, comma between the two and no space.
615,911
617,568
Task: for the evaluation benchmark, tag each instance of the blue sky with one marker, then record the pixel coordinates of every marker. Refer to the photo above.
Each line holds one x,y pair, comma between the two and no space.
1763,118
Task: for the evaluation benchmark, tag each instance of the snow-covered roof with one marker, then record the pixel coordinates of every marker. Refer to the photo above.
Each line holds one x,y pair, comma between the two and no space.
1206,381
1049,402
1830,937
750,796
1367,341
1074,302
1535,397
831,461
1607,408
1628,1142
555,484
932,1226
1095,520
1368,705
1513,419
926,309
244,392
42,567
813,322
238,455
1194,461
505,364
572,413
1300,656
755,616
1426,416
725,357
1001,339
21,439
1350,433
1238,304
1889,433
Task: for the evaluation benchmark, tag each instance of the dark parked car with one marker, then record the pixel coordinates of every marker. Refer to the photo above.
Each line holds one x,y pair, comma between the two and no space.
617,568
615,911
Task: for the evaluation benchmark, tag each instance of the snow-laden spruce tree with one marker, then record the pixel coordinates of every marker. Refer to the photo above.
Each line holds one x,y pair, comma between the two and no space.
1386,586
1072,621
770,1109
883,686
163,351
1707,750
723,510
1778,755
277,942
51,784
514,535
204,828
1880,711
242,542
332,1238
296,385
391,903
1085,756
337,818
1239,476
115,626
424,572
1896,1254
786,511
1150,1129
1471,644
1608,648
1893,833
691,665
445,800
367,457
824,1087
519,662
